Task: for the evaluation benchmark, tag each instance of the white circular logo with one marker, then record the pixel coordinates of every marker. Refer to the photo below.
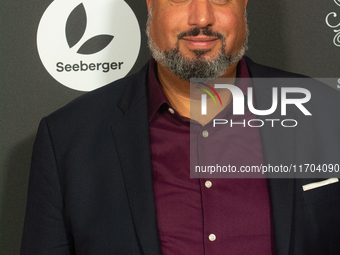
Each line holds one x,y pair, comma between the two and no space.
87,44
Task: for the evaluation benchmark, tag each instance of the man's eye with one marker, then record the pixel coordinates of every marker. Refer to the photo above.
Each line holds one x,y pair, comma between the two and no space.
219,1
180,1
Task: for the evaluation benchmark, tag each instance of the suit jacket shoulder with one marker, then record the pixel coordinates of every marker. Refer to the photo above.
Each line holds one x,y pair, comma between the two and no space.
107,102
260,71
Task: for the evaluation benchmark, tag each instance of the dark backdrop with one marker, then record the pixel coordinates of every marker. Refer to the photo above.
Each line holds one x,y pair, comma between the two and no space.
291,35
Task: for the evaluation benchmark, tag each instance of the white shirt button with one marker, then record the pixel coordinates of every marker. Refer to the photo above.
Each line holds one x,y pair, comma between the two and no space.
212,237
208,184
205,133
171,110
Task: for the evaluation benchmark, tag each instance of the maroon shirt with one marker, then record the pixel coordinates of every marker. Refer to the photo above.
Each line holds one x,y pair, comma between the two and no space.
206,216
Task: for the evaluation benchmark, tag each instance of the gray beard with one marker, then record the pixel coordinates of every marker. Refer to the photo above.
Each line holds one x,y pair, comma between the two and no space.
197,67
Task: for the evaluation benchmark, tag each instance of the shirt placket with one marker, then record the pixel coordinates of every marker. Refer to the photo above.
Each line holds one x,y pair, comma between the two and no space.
212,234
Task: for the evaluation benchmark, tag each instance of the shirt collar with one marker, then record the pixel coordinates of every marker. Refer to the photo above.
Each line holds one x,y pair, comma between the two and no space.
242,76
156,96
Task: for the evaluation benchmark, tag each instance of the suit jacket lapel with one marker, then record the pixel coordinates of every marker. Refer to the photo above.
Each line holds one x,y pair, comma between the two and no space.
278,149
131,135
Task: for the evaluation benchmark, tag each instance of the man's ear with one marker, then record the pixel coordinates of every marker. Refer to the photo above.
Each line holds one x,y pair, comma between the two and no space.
149,3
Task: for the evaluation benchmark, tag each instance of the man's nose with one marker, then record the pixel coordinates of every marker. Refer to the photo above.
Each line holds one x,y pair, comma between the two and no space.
201,13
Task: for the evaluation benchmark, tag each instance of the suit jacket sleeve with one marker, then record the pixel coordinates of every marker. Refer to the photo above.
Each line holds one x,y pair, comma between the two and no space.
46,230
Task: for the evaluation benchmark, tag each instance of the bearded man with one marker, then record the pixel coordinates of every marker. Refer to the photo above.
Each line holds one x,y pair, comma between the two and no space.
110,171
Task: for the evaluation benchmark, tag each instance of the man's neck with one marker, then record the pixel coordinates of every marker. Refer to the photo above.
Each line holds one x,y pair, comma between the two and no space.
178,90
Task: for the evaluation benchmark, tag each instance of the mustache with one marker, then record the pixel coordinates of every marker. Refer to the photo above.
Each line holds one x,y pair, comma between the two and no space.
196,31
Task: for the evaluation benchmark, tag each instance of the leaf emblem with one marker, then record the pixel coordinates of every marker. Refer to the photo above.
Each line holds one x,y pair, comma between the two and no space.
95,44
76,25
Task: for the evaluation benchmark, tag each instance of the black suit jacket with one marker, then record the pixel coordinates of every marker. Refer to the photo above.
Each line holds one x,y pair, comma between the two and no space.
90,188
